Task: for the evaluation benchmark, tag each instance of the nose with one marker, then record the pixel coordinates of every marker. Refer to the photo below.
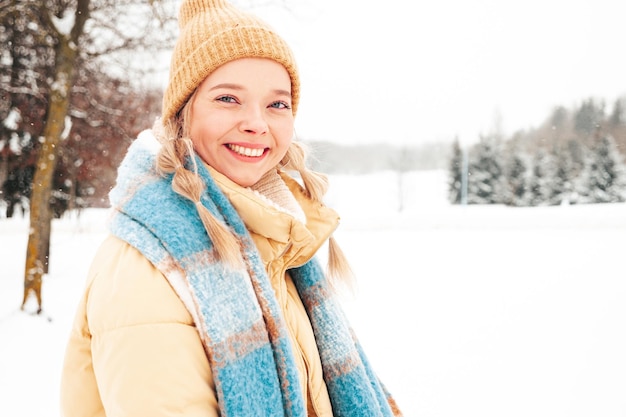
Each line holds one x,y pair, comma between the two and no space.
253,121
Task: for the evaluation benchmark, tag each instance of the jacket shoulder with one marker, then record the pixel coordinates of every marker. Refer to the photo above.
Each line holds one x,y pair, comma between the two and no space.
125,289
134,350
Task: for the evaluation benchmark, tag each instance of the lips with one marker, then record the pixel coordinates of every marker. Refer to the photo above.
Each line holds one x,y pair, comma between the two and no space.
244,151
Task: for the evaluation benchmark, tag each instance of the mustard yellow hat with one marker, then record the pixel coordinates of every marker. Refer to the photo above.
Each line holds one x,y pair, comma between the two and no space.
212,33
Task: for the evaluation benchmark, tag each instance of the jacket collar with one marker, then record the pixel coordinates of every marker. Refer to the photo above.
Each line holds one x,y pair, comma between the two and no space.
290,238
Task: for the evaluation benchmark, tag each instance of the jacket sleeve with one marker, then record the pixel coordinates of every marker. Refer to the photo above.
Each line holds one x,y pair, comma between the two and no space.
147,356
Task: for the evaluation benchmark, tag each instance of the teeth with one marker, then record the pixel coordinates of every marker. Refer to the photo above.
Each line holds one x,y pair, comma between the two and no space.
252,152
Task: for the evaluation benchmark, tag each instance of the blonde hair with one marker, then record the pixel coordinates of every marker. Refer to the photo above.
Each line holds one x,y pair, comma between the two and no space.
177,146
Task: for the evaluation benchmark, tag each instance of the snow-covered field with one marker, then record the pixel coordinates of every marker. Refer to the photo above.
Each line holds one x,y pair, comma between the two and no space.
464,311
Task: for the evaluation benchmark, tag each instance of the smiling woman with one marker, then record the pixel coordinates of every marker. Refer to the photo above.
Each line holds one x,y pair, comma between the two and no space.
241,121
207,298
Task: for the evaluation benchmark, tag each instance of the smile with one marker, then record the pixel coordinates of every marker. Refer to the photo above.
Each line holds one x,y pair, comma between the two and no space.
251,152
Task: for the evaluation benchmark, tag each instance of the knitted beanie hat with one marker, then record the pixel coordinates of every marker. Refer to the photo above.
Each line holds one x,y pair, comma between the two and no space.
212,33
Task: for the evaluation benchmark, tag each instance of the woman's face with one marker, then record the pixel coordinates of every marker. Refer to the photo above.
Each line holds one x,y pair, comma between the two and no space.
241,121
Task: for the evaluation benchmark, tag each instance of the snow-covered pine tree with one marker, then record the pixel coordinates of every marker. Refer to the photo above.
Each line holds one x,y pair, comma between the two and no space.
486,182
541,178
455,174
516,178
562,187
605,175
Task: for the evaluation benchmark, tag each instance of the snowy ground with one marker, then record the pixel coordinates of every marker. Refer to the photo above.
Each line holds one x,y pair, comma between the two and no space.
464,311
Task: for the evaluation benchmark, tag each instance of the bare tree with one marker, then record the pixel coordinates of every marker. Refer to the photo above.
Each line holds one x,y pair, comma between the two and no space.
88,36
56,122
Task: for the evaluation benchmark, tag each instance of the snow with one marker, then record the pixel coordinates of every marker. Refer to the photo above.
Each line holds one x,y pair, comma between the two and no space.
65,23
13,119
464,311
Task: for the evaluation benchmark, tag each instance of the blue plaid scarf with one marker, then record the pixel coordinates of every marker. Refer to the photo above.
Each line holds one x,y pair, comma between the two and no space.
236,311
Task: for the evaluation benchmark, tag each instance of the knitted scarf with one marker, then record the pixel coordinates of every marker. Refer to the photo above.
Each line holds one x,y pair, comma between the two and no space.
236,312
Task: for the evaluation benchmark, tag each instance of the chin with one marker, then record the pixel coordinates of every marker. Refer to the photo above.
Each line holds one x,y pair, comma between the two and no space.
247,181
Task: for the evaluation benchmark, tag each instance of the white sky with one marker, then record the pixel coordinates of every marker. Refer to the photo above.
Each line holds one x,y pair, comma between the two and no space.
418,71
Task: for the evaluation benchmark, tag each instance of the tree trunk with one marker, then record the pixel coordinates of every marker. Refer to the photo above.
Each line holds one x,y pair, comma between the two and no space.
58,105
40,217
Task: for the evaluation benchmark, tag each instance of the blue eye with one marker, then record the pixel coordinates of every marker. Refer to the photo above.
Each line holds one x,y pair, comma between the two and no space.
227,99
279,105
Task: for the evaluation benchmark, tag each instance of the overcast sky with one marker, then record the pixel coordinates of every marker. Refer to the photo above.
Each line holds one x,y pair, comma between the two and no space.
403,71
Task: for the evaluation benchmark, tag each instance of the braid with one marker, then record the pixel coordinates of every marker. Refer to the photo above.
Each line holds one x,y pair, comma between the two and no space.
316,185
177,146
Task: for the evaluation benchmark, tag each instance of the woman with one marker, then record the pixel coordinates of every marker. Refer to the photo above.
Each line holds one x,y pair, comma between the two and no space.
206,299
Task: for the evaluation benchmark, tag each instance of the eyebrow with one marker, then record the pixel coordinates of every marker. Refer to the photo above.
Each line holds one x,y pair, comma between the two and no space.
277,91
282,93
226,85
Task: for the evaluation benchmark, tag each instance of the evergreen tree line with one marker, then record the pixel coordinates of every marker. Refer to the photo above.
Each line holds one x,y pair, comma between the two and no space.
576,156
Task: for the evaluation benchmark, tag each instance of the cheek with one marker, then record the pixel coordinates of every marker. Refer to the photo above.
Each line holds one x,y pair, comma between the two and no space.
203,132
203,140
284,133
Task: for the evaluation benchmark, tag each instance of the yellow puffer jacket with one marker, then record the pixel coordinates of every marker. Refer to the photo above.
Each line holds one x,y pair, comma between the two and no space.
134,350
